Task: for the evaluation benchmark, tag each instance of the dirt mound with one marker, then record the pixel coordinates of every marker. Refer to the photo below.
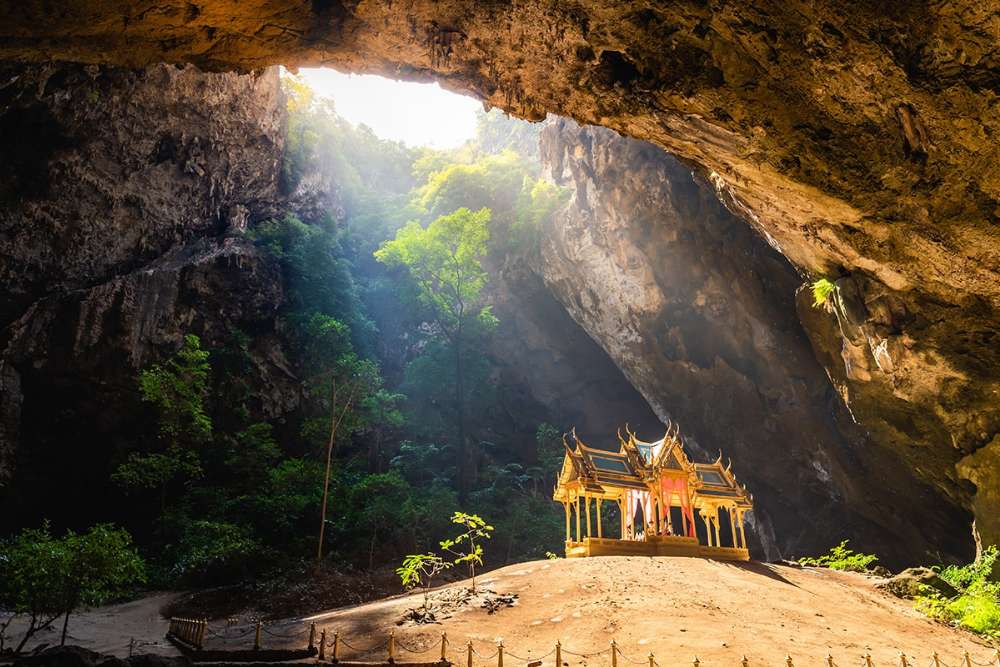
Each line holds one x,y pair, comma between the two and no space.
676,608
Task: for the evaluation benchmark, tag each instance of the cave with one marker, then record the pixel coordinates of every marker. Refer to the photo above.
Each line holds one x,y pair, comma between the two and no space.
768,146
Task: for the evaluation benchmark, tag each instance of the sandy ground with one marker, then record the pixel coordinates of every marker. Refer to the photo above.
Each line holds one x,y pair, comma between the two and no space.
112,629
676,608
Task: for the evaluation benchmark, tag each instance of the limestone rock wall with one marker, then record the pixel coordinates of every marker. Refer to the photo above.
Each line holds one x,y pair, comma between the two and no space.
125,197
700,314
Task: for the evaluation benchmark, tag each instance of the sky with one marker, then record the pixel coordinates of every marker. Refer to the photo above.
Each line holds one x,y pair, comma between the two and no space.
419,114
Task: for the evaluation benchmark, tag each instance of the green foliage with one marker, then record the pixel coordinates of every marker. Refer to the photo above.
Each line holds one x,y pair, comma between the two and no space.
467,547
44,577
496,132
420,569
977,605
178,392
822,289
978,571
318,276
445,261
156,470
842,558
211,551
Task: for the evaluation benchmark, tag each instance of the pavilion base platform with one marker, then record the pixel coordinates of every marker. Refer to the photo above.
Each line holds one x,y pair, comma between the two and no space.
663,545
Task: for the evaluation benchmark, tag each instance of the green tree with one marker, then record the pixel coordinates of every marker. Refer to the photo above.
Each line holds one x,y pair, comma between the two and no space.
467,546
178,390
445,262
44,577
420,569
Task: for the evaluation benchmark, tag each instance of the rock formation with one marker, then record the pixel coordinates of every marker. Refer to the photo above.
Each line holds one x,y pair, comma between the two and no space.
858,138
126,197
700,313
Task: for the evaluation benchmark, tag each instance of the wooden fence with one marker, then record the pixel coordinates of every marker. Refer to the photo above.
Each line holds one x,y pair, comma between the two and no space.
330,647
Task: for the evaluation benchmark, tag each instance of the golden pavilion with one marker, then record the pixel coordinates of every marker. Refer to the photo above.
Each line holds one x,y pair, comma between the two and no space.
667,505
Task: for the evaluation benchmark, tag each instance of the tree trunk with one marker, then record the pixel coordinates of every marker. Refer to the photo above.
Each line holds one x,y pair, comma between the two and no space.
463,453
62,642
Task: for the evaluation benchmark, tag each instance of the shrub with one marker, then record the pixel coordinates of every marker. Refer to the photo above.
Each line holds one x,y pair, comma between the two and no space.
842,558
821,290
977,605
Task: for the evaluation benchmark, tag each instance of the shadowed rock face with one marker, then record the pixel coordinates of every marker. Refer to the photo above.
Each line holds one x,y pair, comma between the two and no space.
857,137
700,314
125,196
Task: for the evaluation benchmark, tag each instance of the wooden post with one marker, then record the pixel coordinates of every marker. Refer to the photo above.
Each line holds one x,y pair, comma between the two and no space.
696,661
600,529
468,654
444,645
968,660
392,646
256,637
744,662
788,661
500,653
202,627
902,659
312,636
322,645
868,659
336,646
652,663
829,660
586,500
937,660
558,654
614,654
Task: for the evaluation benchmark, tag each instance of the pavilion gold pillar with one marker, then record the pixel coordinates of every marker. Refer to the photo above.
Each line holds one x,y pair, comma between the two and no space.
708,526
578,519
569,535
715,525
586,500
684,517
600,529
621,516
731,513
743,535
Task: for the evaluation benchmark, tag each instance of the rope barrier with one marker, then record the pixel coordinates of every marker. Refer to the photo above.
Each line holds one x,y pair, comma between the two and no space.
585,655
517,657
628,659
355,648
196,631
294,635
484,657
403,646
